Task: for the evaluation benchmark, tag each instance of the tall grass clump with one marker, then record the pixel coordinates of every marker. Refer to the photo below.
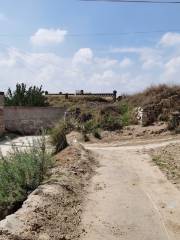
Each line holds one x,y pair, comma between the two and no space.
96,133
126,112
111,123
21,171
58,136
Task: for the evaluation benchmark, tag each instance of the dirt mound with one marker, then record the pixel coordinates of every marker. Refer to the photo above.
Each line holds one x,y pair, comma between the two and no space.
154,95
134,132
53,211
74,137
155,103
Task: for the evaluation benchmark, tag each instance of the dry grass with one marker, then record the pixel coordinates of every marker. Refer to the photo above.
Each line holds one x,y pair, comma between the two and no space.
112,116
60,101
153,95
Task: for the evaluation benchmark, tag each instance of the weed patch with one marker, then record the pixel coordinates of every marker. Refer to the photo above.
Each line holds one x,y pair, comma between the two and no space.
96,134
21,171
58,136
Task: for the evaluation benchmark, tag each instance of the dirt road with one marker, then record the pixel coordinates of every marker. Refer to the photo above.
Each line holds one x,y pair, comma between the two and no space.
129,197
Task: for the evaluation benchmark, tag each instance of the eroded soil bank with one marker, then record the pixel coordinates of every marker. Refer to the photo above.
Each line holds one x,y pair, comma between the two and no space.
168,160
53,211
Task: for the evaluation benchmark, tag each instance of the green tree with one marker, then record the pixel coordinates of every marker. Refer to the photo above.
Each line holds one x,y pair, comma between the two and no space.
23,96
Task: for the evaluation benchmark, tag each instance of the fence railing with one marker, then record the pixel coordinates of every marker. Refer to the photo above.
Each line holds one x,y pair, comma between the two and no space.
81,94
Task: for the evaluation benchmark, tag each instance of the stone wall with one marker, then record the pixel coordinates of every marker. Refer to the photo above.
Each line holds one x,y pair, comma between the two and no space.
1,113
30,120
150,114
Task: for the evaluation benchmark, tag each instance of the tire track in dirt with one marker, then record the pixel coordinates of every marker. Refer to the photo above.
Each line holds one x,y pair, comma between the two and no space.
135,200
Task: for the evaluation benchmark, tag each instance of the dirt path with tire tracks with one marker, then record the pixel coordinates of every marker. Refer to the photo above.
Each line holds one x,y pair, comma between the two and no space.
129,197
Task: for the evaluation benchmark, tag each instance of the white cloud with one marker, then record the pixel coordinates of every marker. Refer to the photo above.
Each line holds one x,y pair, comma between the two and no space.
103,79
137,69
170,39
45,37
149,57
171,71
83,56
106,62
126,62
129,50
60,74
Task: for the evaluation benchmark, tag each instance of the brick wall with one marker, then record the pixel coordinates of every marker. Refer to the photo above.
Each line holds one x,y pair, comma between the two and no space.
29,120
1,113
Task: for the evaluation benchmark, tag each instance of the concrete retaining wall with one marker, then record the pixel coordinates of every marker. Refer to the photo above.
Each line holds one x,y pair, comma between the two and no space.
29,120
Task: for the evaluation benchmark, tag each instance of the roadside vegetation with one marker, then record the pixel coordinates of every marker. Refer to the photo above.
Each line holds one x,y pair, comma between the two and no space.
91,116
153,95
23,96
61,101
21,171
160,102
58,136
91,122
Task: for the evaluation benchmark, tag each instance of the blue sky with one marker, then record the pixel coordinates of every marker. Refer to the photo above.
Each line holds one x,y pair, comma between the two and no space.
39,45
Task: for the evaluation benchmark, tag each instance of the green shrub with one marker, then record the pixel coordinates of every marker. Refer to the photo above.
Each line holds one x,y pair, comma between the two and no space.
126,119
103,120
111,123
21,171
126,112
124,108
58,136
96,134
85,137
33,96
90,126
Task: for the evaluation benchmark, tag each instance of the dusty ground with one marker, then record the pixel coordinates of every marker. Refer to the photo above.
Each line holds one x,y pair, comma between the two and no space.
168,160
53,211
158,130
133,132
129,197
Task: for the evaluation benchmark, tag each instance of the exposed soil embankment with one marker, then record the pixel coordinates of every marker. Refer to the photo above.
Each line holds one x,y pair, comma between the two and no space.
53,211
134,132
